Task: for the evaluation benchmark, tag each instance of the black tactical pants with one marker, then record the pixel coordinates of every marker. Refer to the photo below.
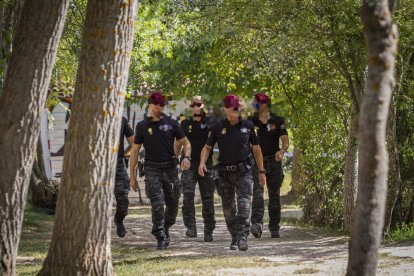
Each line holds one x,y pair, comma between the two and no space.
274,177
189,178
121,191
162,187
238,186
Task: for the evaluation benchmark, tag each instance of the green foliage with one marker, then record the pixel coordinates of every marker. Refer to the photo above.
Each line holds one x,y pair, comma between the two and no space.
70,44
404,97
403,232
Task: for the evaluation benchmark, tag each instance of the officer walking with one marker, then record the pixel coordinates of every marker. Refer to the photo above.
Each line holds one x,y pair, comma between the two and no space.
270,129
162,185
122,180
236,141
197,129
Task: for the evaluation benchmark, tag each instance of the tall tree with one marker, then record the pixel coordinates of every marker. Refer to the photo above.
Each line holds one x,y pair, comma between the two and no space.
82,229
24,95
381,40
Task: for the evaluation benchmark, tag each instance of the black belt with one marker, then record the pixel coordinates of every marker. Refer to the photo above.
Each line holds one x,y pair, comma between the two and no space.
160,165
241,167
230,168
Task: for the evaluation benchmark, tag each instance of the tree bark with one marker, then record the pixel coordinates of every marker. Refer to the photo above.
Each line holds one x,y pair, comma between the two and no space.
9,16
351,171
81,240
296,170
381,39
24,95
43,191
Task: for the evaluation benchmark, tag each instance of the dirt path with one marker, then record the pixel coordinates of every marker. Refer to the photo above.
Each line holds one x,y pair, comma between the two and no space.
298,251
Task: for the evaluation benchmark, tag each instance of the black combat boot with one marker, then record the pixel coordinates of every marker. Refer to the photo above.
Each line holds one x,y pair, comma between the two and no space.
242,244
256,230
161,244
233,245
275,234
191,232
208,235
120,228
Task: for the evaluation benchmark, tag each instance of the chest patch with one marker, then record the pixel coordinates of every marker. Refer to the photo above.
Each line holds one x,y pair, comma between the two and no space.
150,131
223,131
165,127
271,127
244,130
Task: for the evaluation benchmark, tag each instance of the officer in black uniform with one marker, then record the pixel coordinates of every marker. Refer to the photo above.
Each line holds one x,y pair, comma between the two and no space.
197,129
162,186
270,129
236,141
122,180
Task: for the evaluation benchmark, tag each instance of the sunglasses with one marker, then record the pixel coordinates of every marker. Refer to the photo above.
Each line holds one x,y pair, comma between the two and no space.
196,104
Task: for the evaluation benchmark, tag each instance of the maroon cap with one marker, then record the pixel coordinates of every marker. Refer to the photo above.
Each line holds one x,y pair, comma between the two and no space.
231,101
261,98
157,98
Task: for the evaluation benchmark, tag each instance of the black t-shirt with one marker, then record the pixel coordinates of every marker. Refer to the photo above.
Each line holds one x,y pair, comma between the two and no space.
233,141
126,130
158,138
197,133
269,133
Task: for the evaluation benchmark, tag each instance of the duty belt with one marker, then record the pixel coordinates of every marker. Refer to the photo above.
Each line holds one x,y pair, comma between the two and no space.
230,168
160,165
241,167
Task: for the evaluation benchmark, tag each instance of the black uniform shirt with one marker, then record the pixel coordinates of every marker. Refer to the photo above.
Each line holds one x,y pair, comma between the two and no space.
197,133
127,131
233,141
158,138
269,133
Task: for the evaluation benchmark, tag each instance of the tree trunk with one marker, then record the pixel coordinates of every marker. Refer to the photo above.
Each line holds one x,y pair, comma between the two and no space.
381,39
296,171
9,15
81,240
43,191
351,171
24,95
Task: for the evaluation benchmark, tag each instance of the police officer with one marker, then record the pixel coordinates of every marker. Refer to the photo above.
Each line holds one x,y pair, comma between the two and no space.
162,185
122,180
236,141
197,129
270,129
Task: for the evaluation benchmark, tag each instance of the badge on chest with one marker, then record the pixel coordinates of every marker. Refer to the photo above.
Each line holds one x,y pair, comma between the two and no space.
271,127
165,127
223,131
244,130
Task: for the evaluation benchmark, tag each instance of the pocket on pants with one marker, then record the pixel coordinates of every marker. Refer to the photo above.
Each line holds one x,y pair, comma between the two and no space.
177,189
246,184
